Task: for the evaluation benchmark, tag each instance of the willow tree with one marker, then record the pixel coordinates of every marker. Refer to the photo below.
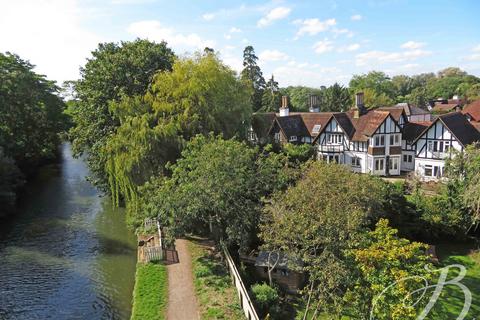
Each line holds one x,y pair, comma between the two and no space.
200,95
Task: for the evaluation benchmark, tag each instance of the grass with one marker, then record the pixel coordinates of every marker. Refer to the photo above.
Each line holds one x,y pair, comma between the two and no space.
451,301
215,292
150,295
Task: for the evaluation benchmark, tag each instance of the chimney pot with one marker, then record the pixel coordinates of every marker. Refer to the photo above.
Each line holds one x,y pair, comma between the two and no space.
284,111
359,99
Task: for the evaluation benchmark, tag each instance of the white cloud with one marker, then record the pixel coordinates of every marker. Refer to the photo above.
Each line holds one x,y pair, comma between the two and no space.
153,30
323,46
272,55
274,14
49,34
338,32
476,49
308,75
356,17
208,16
375,57
412,45
235,30
314,26
227,36
244,40
351,47
474,57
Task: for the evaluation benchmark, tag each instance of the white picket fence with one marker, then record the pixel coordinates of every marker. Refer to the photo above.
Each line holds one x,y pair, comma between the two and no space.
154,253
245,301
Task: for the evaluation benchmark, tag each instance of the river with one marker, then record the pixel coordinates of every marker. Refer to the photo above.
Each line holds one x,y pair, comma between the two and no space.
66,253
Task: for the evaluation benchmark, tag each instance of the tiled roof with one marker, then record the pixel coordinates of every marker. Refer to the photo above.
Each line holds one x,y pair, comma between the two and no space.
292,125
261,123
473,109
460,127
315,118
444,107
412,130
366,125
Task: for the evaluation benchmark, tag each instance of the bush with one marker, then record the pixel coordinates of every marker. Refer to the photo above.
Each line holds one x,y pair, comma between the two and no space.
266,299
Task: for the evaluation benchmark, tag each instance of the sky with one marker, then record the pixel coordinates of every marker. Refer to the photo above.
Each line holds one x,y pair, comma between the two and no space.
310,43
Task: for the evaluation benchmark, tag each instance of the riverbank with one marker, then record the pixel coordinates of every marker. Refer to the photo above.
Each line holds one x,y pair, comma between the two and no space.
150,294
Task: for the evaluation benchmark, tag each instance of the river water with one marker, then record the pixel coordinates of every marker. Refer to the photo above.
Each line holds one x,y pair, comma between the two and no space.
66,253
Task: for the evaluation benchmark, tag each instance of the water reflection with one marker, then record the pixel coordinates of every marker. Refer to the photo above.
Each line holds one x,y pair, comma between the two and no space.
66,254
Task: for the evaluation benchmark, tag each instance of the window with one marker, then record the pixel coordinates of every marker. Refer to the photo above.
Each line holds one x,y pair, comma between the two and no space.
394,139
335,138
405,158
251,135
393,164
334,158
356,162
446,146
293,138
428,170
379,164
430,146
277,136
316,128
410,158
284,272
379,141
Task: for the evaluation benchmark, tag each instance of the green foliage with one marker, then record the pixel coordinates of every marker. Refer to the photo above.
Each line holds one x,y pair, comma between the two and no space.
31,113
378,82
373,99
115,70
298,153
199,96
266,299
252,75
316,220
336,98
463,171
271,99
381,259
150,295
299,96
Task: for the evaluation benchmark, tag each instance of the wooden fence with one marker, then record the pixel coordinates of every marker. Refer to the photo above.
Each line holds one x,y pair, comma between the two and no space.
245,301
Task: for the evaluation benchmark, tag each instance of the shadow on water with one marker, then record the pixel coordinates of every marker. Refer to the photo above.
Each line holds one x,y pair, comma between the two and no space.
66,253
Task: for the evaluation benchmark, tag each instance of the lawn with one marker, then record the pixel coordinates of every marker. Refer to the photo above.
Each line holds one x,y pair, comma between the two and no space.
215,292
452,299
150,295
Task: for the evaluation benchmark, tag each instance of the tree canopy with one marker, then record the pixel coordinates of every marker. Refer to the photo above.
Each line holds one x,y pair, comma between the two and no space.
252,74
115,70
200,95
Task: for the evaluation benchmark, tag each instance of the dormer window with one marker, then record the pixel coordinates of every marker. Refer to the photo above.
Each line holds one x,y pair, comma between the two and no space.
316,128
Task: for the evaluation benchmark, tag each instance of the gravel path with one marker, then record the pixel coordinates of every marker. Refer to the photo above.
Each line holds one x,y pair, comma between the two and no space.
182,302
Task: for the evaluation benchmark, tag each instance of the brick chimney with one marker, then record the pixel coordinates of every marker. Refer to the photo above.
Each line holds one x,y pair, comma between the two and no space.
284,111
314,103
359,106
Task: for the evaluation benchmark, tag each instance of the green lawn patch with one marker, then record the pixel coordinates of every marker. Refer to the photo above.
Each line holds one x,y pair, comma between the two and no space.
451,301
150,295
217,297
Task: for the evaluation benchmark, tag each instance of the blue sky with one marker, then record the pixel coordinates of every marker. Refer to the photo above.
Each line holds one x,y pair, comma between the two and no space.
301,42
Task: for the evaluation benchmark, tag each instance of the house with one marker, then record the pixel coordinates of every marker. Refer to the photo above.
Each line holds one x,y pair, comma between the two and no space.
437,142
369,141
281,270
446,105
384,141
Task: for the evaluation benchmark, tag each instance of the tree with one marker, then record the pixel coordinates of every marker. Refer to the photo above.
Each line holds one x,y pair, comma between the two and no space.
252,74
463,171
114,70
299,96
271,98
200,95
315,221
336,98
377,81
375,100
381,260
266,299
31,114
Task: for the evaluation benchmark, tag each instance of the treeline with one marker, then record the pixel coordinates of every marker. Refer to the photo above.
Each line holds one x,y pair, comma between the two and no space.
379,89
31,118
